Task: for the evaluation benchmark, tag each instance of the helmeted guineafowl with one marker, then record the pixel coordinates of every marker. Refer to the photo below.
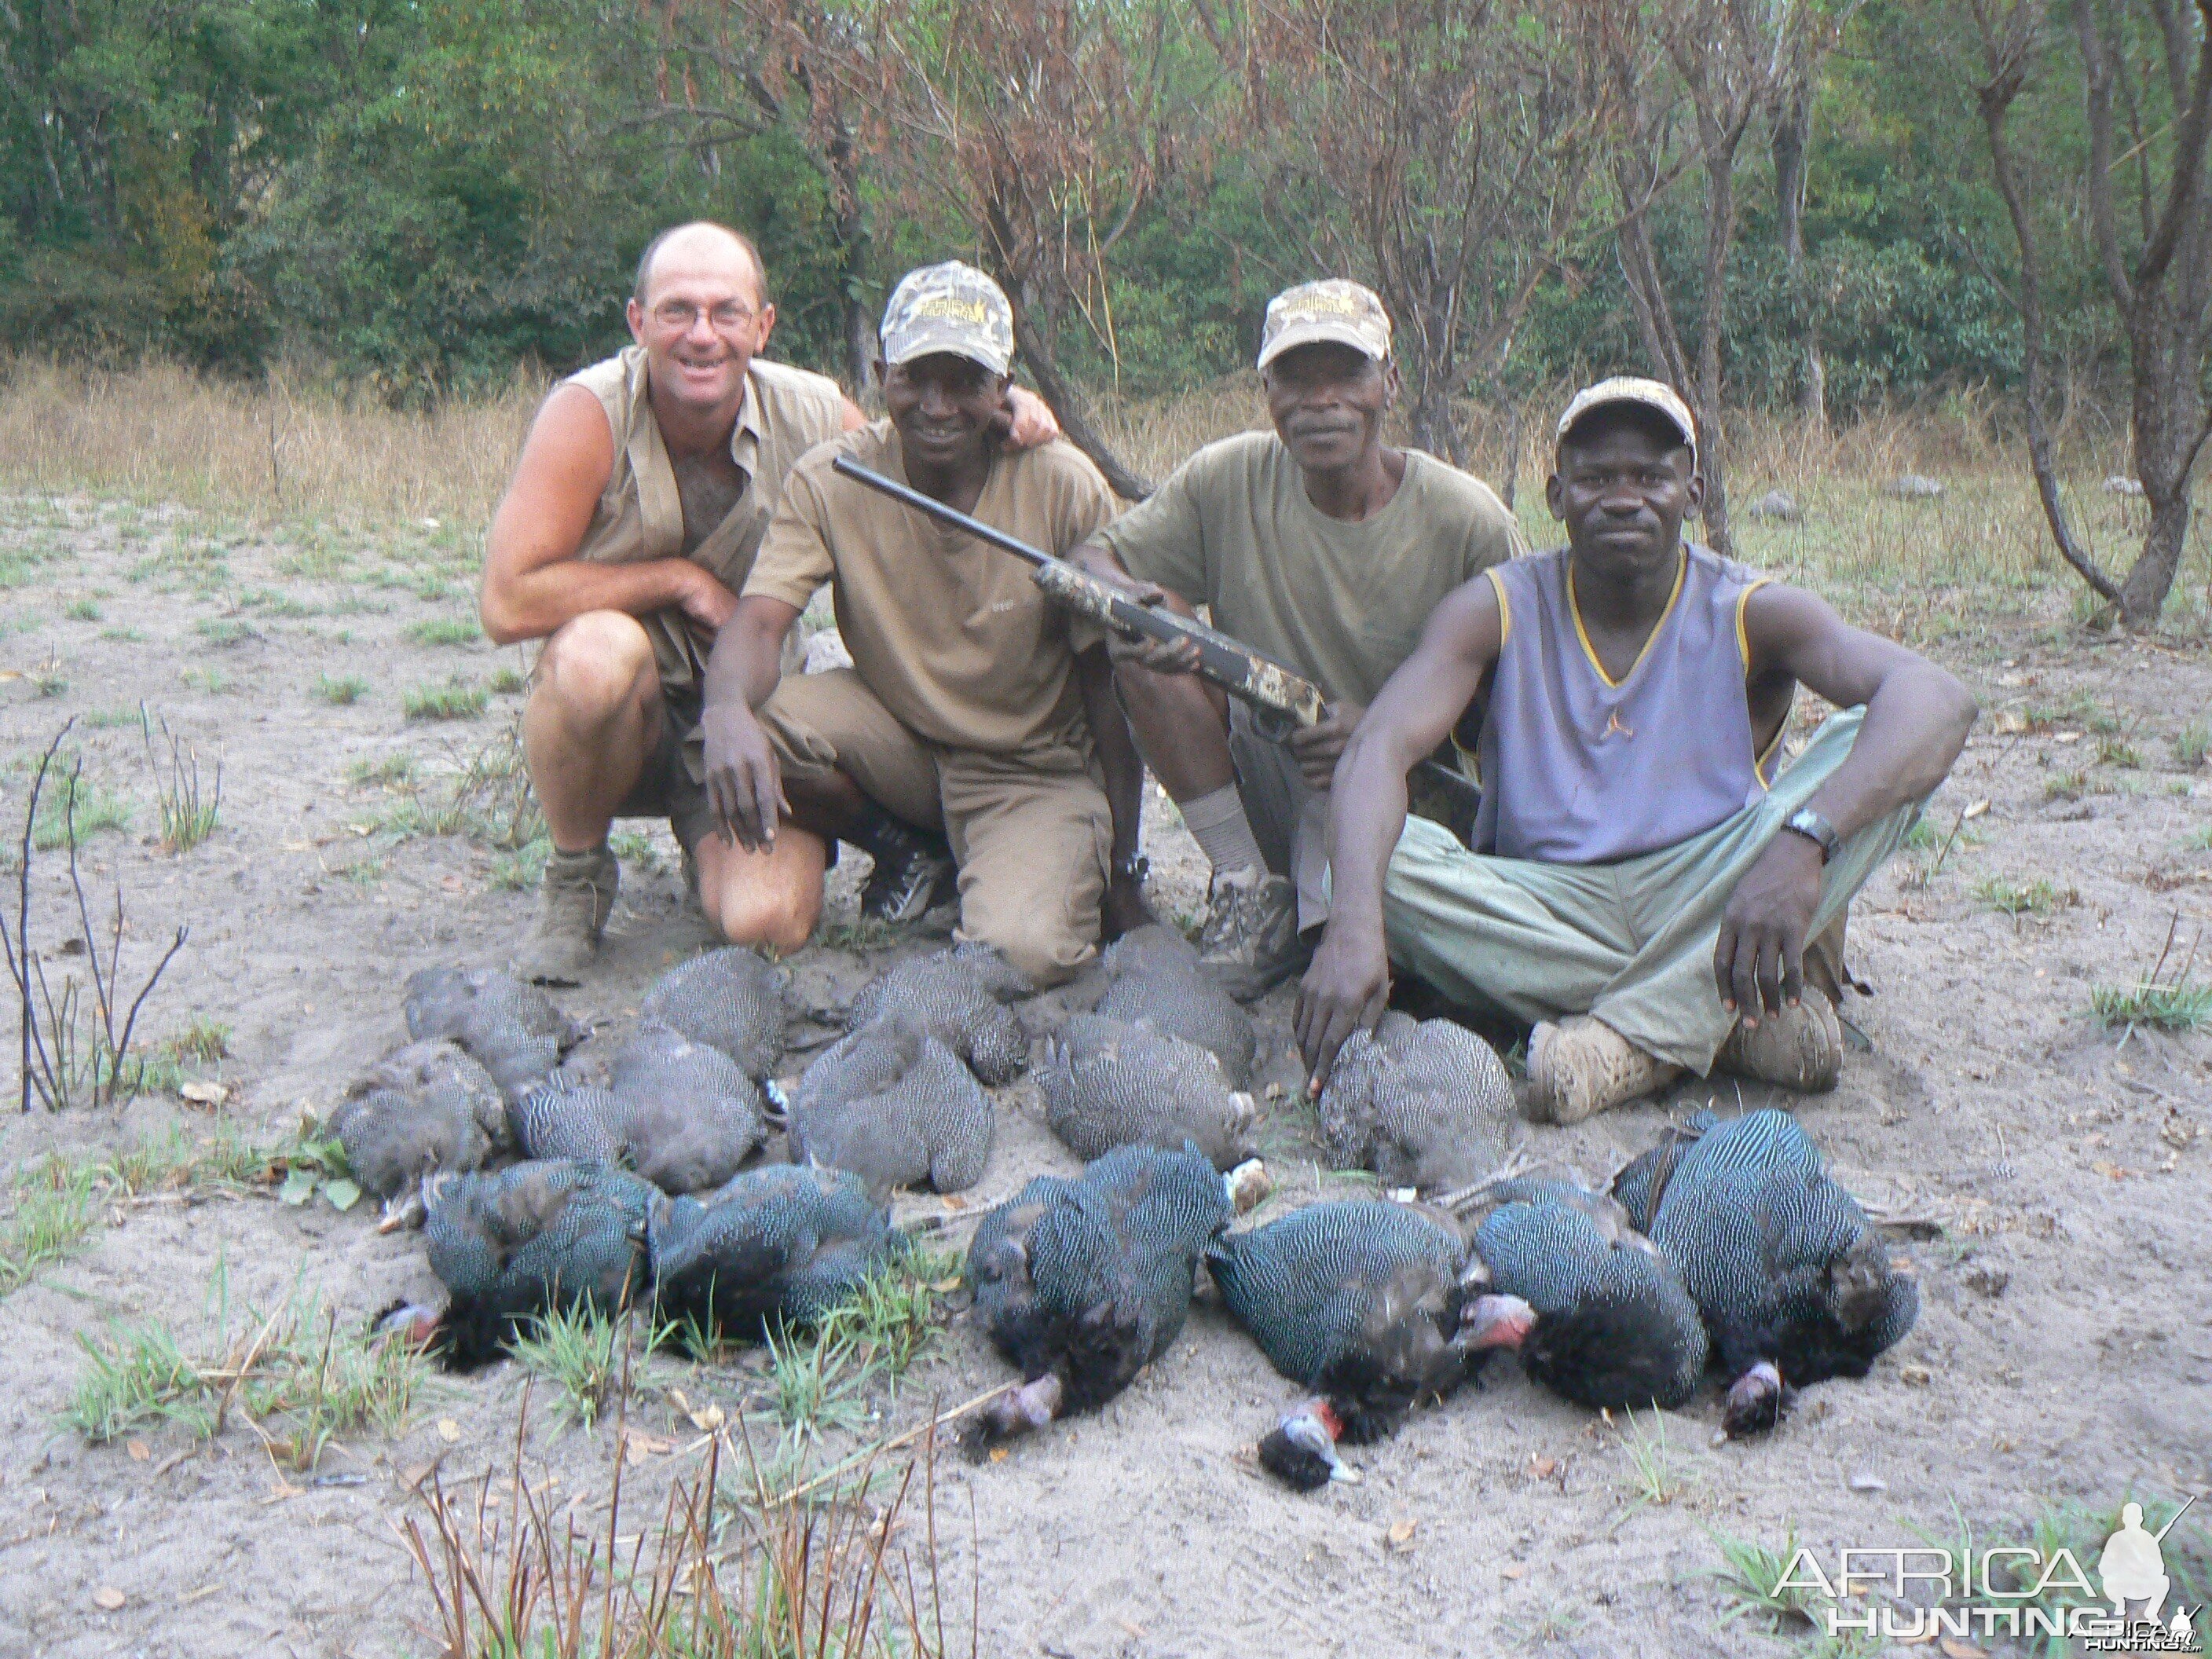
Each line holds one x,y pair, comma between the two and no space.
1793,1283
960,997
896,1107
1425,1104
1108,1084
1082,1283
539,1236
1153,976
424,1107
1357,1300
774,1244
680,1113
510,1029
1597,1314
733,999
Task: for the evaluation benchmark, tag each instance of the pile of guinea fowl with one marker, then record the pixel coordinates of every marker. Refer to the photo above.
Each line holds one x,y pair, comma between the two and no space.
549,1180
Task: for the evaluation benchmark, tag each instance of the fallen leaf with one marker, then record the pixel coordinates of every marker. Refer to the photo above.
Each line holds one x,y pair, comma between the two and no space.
1543,1468
997,1454
709,1417
1515,1571
648,1445
2109,1171
299,1186
139,1450
341,1194
2068,737
1973,811
108,1596
1400,1534
448,1431
452,883
1954,1648
954,1201
1274,1091
205,1094
1915,1376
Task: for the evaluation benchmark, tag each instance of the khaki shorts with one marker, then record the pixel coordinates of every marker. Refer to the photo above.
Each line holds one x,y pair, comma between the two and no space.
666,787
1032,834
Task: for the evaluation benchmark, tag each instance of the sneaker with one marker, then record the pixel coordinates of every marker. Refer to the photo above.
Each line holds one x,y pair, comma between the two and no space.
573,901
1800,1049
1251,942
1581,1066
913,874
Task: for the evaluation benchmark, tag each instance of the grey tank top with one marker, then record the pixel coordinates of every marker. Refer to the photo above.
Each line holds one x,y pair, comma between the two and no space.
1578,769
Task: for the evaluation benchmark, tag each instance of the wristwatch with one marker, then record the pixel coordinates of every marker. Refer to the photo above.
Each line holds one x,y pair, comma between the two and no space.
1133,868
1816,829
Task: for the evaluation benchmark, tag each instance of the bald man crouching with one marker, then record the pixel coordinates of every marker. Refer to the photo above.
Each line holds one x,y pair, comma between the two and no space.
629,526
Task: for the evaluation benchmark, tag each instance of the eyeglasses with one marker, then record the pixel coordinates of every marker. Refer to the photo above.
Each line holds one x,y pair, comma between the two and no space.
724,318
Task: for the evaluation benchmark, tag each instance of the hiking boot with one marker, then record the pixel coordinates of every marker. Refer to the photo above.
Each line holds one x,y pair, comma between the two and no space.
1800,1049
913,874
1251,944
574,900
1583,1066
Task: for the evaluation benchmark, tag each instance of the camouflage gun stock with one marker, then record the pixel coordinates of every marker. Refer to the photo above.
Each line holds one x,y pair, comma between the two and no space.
1281,701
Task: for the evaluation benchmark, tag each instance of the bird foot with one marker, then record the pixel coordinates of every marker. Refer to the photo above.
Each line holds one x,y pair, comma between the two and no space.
1016,1412
1754,1402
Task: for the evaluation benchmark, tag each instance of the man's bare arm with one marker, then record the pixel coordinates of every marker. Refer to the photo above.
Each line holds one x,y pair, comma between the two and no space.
533,582
1348,984
1917,720
745,785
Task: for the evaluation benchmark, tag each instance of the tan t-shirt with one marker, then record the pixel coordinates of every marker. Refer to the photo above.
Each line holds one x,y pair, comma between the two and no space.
951,636
787,411
1341,604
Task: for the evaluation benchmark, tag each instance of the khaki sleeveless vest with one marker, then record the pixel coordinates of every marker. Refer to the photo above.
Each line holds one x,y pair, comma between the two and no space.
787,411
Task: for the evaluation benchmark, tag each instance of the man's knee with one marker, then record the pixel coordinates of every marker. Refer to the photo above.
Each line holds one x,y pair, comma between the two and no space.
595,664
772,900
1163,700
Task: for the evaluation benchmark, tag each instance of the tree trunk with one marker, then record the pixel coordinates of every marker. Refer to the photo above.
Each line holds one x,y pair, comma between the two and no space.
2142,595
1068,404
1720,235
1793,137
1434,422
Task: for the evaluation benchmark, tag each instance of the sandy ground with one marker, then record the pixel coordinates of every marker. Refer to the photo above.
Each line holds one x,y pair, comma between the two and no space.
2063,1352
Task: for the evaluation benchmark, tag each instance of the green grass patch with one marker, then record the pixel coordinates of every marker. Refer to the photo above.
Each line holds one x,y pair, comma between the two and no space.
2192,743
210,681
635,846
2118,751
506,682
2184,1005
445,631
2037,897
579,1352
72,801
398,770
521,871
223,631
342,690
83,610
815,1383
454,700
55,1212
2065,786
123,635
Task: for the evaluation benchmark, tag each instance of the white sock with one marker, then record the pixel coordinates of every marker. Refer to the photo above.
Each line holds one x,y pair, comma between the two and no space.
1222,830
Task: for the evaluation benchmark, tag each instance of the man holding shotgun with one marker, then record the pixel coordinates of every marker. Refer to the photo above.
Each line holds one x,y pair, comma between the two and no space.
1320,547
974,708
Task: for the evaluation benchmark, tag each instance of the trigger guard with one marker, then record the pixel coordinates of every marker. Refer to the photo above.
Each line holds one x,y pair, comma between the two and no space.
1273,724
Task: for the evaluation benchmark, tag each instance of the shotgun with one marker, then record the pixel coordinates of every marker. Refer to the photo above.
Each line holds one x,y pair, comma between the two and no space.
1281,702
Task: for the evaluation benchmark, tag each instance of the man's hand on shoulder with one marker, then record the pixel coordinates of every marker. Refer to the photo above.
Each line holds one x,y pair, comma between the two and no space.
1758,962
1031,423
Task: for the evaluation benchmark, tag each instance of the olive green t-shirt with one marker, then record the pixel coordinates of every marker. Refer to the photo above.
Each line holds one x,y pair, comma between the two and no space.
951,636
1341,604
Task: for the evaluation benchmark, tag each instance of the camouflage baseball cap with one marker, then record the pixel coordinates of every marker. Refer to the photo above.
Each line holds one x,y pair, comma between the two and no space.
1331,309
949,308
1654,395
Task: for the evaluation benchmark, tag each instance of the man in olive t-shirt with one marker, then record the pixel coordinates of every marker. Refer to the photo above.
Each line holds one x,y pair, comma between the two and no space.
970,708
1318,546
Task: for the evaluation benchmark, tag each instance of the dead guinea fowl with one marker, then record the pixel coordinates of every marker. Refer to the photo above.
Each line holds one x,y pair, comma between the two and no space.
1357,1300
1597,1314
1108,1084
512,1029
895,1106
1425,1104
1792,1282
733,999
536,1236
779,1244
1080,1284
422,1107
961,996
680,1113
1153,976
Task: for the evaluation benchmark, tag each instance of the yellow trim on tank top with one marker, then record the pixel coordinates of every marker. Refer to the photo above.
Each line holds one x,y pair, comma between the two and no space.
1504,610
1574,610
1759,760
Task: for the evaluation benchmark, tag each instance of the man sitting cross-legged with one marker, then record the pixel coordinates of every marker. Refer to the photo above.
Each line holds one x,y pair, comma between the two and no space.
1641,888
969,709
636,506
1319,546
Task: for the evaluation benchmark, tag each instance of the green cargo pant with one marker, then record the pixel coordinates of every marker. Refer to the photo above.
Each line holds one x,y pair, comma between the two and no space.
1632,942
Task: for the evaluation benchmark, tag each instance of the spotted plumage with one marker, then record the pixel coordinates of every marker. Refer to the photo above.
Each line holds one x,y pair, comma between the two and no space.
1153,976
1426,1105
895,1106
733,999
778,1244
423,1108
1107,1083
510,1029
963,997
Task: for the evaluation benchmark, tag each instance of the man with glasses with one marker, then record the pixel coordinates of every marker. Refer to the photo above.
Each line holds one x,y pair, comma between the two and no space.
638,502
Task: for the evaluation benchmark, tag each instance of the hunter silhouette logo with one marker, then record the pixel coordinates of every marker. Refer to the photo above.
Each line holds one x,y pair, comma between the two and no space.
2007,1590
